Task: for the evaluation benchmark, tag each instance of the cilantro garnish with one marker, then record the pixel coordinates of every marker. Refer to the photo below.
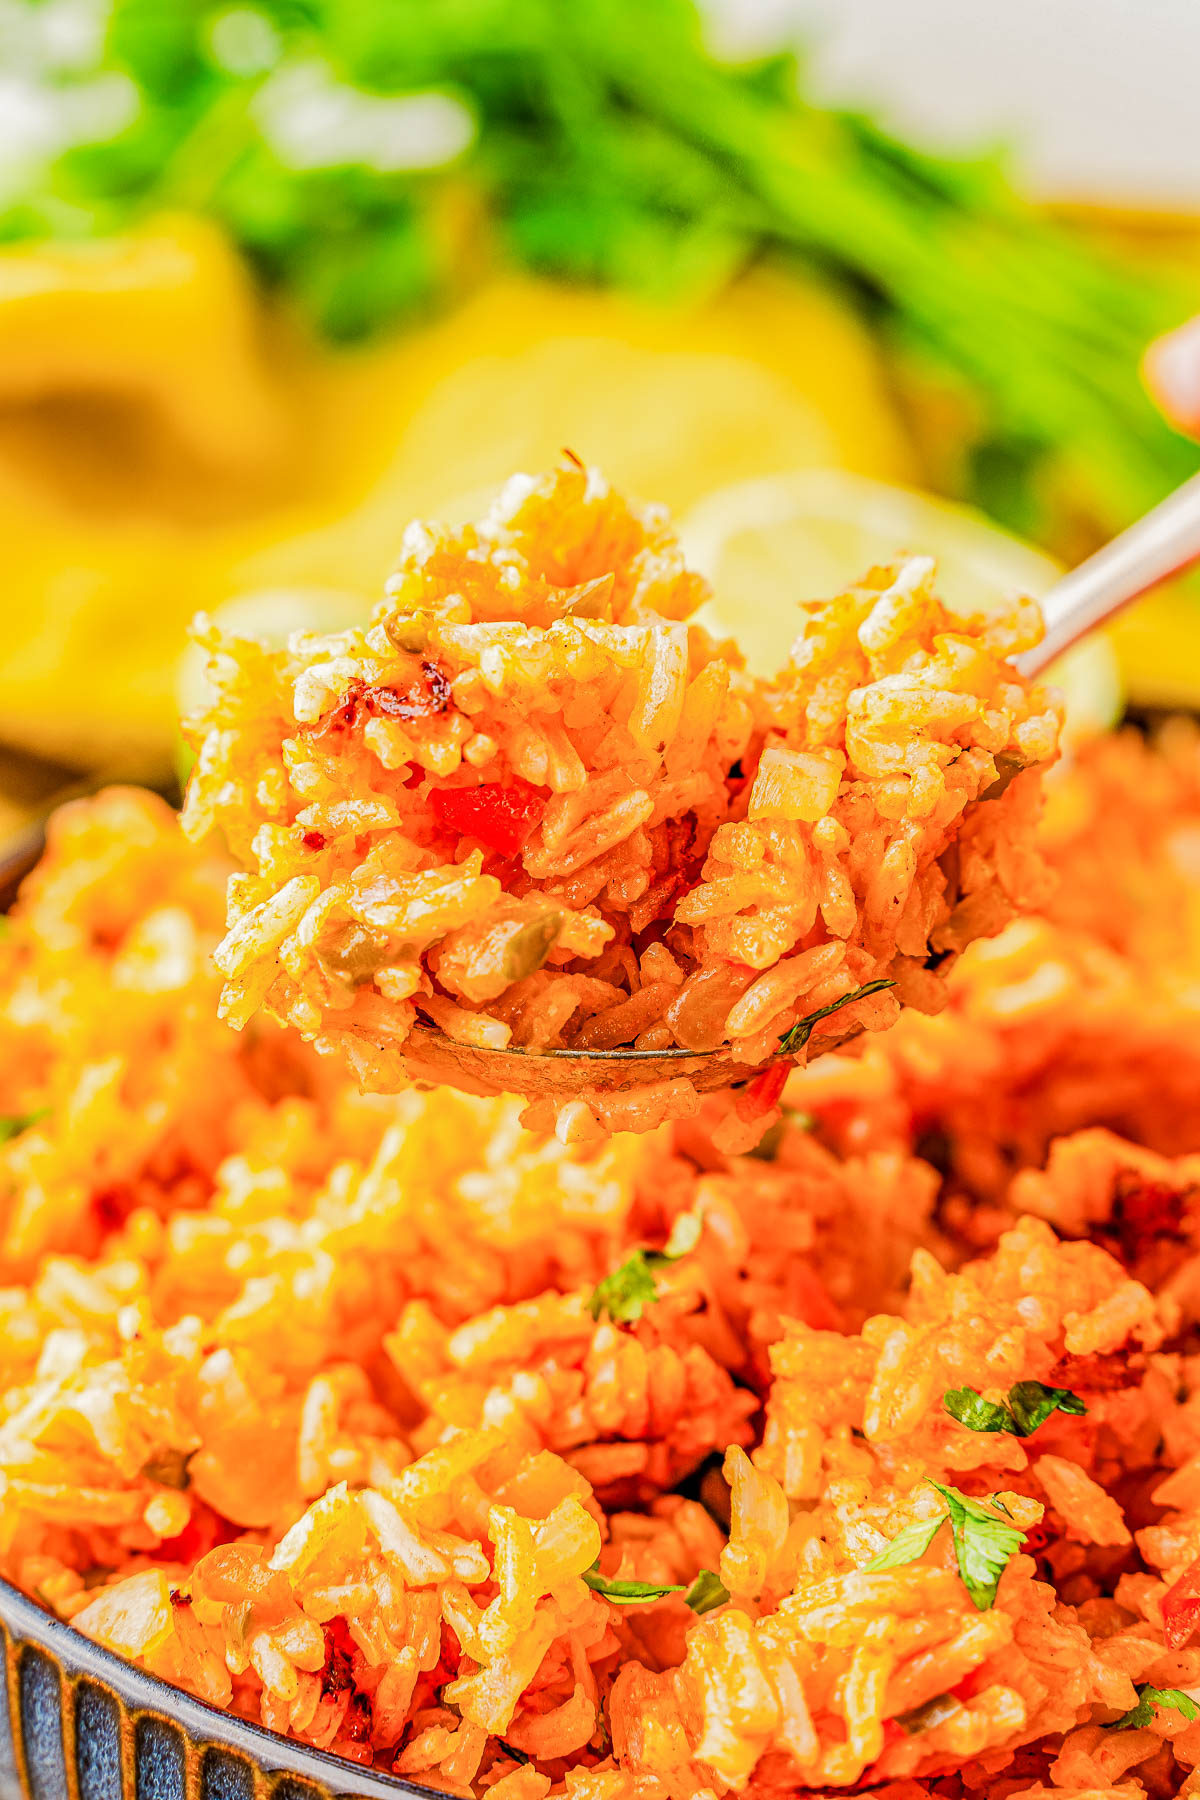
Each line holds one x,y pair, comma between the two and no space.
908,1544
1148,1698
1029,1404
1032,1403
801,1031
628,1291
707,1591
983,1543
628,1593
13,1124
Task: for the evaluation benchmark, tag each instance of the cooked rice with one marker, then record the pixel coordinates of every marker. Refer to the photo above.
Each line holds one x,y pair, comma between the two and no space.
305,1408
531,806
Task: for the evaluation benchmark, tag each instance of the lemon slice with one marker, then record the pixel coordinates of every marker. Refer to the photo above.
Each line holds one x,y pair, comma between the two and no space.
769,543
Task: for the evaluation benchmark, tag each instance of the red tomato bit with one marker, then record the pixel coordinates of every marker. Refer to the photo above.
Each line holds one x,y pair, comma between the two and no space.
763,1093
1145,1212
1181,1607
500,816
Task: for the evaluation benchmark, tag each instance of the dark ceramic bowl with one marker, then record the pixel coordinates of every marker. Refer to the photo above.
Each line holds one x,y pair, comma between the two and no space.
78,1723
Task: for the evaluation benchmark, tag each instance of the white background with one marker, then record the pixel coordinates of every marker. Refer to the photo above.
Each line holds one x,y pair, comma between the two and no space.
1098,98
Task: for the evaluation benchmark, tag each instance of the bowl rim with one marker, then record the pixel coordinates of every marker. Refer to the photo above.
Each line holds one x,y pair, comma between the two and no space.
206,1725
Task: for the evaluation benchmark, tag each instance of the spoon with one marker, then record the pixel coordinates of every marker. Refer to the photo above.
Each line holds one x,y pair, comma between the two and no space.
1163,543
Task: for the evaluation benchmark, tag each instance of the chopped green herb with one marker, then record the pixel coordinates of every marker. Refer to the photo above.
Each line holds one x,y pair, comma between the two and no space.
801,1031
1007,770
351,952
1029,1404
924,1718
707,1591
170,1469
1032,1403
13,1124
409,632
968,1406
627,1593
983,1543
628,1291
908,1544
528,948
1149,1697
518,1756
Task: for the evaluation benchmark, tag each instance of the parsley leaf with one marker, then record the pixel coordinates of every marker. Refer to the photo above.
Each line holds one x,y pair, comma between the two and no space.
1029,1404
799,1034
626,1293
983,1544
968,1406
908,1544
13,1124
1148,1698
627,1593
707,1591
1032,1403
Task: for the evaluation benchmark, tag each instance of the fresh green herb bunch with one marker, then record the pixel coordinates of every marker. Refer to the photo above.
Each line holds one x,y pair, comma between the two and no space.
607,145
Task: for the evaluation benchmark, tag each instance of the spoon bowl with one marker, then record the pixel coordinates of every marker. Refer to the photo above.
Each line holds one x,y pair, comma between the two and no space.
565,1075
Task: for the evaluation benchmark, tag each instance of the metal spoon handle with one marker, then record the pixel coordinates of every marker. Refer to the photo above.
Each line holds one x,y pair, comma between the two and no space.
1163,543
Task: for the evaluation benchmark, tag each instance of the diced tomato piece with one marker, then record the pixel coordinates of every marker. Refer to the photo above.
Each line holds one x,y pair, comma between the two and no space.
763,1093
500,815
970,1685
337,1674
356,1723
1181,1607
112,1206
1144,1212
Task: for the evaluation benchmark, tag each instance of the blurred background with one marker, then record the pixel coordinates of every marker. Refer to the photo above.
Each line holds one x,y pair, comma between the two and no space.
832,278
